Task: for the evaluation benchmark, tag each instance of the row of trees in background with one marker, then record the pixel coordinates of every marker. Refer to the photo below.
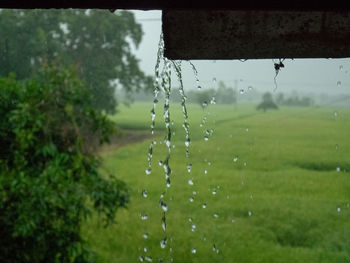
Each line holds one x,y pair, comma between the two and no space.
58,70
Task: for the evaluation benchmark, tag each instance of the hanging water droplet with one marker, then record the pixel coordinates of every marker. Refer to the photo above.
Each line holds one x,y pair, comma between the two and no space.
160,163
160,260
193,251
249,213
341,67
338,83
216,215
148,171
206,138
145,249
187,142
241,91
190,182
338,209
145,235
199,87
250,88
214,80
193,227
191,199
144,193
338,169
164,206
214,192
168,182
163,242
204,205
189,166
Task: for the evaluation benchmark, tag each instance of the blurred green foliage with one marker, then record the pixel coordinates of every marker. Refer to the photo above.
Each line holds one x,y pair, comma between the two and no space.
49,177
97,42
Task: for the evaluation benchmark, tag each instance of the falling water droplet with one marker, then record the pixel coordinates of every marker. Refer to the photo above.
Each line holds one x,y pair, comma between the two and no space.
206,138
241,91
144,193
194,192
190,219
338,83
160,163
148,171
149,259
216,215
249,213
190,182
145,249
193,251
204,205
341,67
338,209
235,159
145,235
164,206
204,104
163,242
214,192
205,171
189,166
193,227
144,216
187,142
250,88
338,169
212,101
163,222
141,258
199,87
191,199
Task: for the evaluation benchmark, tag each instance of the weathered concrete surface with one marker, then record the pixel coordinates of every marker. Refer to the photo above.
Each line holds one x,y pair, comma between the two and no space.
256,34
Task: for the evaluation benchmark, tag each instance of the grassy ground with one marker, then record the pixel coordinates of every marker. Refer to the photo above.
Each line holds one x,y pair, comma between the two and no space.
282,200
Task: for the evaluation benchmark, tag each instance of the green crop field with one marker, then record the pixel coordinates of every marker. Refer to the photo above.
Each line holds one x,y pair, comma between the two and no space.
276,187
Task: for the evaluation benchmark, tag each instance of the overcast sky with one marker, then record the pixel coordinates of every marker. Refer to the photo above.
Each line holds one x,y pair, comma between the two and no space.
307,75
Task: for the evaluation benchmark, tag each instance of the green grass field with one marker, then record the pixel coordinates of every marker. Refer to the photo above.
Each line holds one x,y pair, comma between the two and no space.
283,200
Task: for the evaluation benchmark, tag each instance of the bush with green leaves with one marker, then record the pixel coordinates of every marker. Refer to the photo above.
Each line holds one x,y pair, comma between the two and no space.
49,177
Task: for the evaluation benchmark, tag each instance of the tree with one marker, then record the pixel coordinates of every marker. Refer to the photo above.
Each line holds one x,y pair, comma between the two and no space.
97,42
47,172
225,94
267,102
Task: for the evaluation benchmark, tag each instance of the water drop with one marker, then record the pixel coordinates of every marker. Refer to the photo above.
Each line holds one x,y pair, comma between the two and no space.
337,147
148,171
187,142
190,182
338,209
191,199
341,67
216,215
206,138
141,258
149,259
214,80
194,192
193,251
199,87
212,101
190,219
163,242
245,164
189,166
193,227
209,163
145,235
251,197
168,182
144,216
335,114
145,249
250,88
204,205
233,220
235,159
246,129
163,222
338,83
214,192
241,91
160,163
249,213
144,193
205,171
164,206
338,169
204,104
